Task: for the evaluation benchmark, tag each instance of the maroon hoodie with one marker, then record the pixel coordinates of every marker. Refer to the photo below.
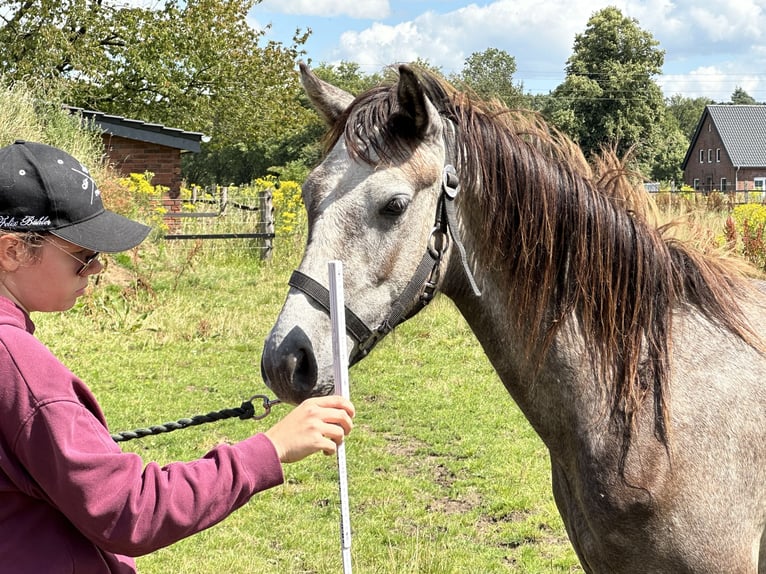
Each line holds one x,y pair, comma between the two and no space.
70,500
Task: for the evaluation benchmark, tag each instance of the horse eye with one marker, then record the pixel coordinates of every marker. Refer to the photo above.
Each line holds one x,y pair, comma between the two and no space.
396,206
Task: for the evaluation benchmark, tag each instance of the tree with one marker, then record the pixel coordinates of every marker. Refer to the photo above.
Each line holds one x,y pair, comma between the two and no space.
664,160
741,97
609,97
191,64
687,112
490,75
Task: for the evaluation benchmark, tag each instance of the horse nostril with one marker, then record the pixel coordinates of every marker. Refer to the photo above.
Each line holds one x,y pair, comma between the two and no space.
290,369
305,372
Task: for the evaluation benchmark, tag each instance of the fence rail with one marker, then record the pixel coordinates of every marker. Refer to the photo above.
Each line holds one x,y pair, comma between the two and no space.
743,193
712,198
244,216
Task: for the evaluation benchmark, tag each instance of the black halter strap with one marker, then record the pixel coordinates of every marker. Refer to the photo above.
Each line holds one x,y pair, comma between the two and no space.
316,291
420,290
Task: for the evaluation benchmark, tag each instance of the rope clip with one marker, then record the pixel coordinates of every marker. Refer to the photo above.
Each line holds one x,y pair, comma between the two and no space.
266,404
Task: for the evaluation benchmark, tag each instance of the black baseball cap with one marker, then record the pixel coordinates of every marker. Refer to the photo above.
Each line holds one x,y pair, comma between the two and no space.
46,190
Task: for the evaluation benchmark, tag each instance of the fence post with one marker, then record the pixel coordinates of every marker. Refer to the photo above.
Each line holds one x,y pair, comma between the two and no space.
224,200
266,210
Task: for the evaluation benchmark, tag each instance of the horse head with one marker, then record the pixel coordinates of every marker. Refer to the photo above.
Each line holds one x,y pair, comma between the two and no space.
377,203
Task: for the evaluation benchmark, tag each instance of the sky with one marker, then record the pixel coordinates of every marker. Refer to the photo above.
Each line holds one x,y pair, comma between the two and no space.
711,48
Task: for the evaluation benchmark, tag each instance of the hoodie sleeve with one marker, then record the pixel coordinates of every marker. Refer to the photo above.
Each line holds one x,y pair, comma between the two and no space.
128,508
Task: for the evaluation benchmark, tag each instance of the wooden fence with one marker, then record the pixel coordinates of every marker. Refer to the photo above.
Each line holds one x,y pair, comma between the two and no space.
745,193
252,217
714,200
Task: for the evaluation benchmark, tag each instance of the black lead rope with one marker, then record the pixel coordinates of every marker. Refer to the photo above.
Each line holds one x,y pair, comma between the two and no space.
245,411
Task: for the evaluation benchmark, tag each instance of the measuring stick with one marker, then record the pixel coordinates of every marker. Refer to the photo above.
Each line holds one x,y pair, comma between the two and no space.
340,370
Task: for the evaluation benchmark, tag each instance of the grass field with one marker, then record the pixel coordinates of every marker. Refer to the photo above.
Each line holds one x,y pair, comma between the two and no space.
445,474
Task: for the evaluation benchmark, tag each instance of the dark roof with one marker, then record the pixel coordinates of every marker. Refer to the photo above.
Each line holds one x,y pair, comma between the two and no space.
142,131
742,128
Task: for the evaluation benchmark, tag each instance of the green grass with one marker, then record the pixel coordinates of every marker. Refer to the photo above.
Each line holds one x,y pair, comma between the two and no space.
445,474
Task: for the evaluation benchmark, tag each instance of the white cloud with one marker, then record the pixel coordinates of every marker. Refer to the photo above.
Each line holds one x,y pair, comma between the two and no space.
715,82
708,80
738,22
381,45
538,35
365,9
709,48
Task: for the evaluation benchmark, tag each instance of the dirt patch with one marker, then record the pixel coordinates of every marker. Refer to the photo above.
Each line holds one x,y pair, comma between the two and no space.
469,501
403,446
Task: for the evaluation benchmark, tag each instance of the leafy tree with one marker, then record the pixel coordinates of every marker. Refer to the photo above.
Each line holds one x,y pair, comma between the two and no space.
609,97
741,97
663,162
687,112
490,75
191,64
537,102
48,38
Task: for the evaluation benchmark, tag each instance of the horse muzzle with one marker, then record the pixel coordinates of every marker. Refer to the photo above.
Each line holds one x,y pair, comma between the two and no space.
289,368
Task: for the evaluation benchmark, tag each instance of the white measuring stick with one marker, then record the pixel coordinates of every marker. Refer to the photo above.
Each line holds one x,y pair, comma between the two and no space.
340,370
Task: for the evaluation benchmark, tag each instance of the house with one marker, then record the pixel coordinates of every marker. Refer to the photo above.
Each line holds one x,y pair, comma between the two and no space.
134,146
728,150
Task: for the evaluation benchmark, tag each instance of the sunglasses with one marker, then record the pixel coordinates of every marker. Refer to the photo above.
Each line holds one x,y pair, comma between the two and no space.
84,263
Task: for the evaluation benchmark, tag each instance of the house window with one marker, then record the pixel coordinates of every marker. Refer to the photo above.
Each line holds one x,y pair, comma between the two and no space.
696,184
718,154
710,156
702,156
760,183
723,184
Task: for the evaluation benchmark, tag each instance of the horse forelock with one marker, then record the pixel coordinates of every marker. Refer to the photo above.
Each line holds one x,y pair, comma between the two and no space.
569,239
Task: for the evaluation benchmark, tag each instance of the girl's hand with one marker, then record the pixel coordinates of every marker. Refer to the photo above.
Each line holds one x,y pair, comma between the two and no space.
319,423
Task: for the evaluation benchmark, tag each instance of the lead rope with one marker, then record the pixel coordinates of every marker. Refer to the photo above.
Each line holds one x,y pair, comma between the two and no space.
245,411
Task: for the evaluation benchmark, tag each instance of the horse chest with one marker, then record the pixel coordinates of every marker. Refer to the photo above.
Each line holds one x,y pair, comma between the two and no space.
614,519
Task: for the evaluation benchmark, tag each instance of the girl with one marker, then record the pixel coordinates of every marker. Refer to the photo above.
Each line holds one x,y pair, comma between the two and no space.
70,500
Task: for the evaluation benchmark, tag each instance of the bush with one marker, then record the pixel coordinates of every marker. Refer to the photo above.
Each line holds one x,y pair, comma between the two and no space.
144,200
746,225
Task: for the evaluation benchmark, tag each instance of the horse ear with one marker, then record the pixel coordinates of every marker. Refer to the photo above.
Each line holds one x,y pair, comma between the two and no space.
328,100
417,113
412,103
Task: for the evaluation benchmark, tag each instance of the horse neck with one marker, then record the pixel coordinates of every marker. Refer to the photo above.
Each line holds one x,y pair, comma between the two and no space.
554,391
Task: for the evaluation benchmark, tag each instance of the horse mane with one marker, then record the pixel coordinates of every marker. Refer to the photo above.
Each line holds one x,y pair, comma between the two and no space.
571,237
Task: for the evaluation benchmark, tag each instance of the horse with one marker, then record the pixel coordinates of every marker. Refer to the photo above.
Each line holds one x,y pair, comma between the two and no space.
637,357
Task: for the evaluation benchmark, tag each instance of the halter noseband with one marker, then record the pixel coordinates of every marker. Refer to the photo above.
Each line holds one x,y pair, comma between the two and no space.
422,287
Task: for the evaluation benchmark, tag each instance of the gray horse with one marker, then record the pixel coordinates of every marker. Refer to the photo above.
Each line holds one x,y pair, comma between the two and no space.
637,359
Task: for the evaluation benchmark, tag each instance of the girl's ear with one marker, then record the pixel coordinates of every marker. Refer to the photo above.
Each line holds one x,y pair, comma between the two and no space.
13,252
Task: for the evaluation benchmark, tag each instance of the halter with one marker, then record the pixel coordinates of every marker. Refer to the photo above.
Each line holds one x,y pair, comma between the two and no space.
422,287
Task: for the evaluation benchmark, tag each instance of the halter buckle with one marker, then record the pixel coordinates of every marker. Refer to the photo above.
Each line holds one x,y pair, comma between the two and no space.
438,241
364,347
450,181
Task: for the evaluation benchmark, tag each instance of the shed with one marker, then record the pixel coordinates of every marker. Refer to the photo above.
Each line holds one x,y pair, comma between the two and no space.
727,151
135,146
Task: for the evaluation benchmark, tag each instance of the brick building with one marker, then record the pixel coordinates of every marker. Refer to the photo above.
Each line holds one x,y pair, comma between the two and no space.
134,146
727,151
